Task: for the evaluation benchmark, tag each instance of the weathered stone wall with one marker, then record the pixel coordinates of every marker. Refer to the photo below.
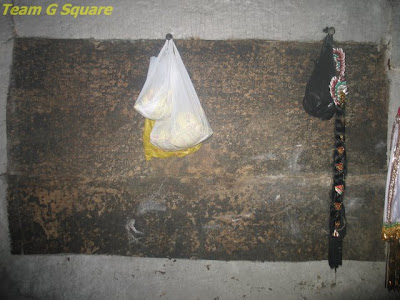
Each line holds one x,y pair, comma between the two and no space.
258,189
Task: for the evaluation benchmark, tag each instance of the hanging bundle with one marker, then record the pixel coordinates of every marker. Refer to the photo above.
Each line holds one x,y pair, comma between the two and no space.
391,215
325,97
169,99
317,101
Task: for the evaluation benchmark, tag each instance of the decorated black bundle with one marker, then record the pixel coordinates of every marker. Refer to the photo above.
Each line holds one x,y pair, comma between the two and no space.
317,101
325,96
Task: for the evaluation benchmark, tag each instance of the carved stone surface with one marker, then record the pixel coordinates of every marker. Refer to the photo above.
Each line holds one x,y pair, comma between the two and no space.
258,189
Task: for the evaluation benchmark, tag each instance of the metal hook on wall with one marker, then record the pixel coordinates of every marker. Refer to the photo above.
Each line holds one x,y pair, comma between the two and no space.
169,37
329,30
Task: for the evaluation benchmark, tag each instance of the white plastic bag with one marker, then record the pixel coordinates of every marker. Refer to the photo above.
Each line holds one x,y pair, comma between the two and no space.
153,102
173,102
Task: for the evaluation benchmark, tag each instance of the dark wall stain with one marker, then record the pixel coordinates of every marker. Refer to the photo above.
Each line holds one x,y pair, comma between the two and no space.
257,190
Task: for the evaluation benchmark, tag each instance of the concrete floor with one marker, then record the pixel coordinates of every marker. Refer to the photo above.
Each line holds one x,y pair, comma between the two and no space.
111,277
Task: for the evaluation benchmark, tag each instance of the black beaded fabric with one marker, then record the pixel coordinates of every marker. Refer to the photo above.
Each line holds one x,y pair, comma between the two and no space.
317,101
325,97
337,218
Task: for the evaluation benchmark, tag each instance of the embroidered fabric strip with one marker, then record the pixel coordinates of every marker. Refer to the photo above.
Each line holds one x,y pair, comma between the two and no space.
391,215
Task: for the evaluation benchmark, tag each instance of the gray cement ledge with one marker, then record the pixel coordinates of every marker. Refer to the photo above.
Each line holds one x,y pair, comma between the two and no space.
112,277
356,20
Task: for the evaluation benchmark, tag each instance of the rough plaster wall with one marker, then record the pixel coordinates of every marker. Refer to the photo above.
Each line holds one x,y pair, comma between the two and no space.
394,73
6,45
395,34
301,280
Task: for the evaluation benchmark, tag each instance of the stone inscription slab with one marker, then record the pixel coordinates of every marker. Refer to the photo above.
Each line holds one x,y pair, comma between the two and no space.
258,189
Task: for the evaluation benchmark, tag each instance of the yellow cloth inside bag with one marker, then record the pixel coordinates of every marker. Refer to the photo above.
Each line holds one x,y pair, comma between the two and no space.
151,151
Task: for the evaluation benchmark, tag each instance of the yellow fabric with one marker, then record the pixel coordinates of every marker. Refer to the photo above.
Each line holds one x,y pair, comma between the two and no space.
391,232
151,151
